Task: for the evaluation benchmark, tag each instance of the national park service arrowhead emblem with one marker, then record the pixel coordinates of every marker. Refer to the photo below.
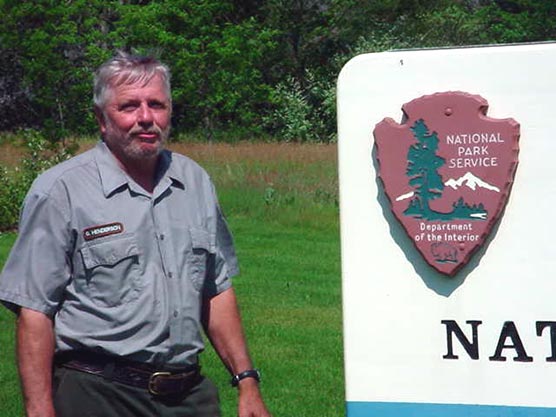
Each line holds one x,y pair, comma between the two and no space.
447,170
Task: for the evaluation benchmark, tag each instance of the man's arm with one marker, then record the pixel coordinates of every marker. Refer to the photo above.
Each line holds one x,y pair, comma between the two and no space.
222,323
35,350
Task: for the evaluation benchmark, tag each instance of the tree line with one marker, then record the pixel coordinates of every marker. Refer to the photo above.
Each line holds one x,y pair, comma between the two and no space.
240,68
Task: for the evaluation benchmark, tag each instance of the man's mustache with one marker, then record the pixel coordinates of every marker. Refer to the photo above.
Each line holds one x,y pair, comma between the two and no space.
139,130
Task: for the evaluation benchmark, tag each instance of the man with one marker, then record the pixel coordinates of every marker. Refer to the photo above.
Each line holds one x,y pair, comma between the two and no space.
122,258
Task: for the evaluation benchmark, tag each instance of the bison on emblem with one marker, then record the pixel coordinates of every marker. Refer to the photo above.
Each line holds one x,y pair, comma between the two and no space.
444,252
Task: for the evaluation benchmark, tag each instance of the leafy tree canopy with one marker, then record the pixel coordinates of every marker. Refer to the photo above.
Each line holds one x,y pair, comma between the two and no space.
238,65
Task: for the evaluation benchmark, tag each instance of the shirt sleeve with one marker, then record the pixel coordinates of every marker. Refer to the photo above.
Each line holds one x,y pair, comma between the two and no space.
225,263
39,267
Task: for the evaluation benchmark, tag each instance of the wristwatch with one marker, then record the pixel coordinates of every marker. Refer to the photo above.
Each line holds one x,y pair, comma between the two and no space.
250,373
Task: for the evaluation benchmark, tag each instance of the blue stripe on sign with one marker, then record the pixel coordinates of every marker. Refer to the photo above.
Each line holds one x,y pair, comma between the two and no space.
379,409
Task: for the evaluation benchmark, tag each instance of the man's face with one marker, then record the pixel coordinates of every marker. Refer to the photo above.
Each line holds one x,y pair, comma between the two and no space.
135,120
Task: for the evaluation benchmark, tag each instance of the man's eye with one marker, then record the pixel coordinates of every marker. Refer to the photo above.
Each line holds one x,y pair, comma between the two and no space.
128,107
157,105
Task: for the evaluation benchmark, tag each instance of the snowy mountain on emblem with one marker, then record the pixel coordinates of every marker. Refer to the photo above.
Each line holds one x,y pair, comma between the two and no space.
468,179
471,181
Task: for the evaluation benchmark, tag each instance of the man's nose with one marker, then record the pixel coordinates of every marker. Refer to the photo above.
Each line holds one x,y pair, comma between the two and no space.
145,115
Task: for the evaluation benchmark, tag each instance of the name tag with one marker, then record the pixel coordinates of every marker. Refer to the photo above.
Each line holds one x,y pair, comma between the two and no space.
102,230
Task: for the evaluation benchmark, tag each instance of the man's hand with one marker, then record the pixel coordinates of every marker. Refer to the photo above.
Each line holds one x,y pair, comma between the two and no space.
35,350
250,401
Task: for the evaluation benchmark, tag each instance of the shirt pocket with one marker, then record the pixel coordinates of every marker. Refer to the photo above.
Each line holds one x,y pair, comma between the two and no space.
202,252
112,271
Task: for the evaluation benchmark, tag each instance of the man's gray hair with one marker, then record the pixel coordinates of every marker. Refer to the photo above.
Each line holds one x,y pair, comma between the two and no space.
126,68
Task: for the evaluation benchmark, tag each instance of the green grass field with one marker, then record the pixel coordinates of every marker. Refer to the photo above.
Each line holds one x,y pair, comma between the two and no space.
281,204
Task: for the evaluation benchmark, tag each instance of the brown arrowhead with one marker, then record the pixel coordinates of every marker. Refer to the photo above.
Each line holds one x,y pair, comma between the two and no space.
447,171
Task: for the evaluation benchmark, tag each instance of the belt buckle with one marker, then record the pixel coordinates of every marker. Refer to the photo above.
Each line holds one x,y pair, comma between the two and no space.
152,382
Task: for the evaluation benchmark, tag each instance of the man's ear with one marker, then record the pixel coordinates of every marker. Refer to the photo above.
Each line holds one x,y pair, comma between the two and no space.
101,120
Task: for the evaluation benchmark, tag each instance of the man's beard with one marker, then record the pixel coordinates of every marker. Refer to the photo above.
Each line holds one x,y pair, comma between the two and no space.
128,145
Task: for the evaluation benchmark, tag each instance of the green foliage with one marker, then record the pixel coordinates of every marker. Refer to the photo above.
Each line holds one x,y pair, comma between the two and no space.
241,66
291,116
511,21
453,25
12,193
303,114
15,182
216,62
14,97
54,42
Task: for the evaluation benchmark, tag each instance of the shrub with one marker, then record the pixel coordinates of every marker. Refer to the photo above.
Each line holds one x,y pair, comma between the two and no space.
306,111
303,113
15,182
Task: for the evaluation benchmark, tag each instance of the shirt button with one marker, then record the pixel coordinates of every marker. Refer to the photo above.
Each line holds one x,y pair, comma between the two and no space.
161,237
175,313
170,275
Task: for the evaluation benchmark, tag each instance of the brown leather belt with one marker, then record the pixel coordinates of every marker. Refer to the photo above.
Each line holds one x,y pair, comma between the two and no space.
159,382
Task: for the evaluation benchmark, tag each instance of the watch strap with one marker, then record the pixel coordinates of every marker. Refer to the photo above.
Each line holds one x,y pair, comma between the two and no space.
250,373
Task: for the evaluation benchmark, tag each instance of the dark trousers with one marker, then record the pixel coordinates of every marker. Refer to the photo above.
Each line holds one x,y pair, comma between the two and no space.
79,394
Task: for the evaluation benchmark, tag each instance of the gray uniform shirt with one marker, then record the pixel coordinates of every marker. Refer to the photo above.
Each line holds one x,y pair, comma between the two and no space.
121,271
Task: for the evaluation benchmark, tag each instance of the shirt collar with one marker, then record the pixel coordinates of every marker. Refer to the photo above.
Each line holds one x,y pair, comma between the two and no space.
112,177
167,168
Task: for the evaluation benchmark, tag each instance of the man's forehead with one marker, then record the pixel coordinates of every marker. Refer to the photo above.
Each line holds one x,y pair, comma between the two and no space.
130,87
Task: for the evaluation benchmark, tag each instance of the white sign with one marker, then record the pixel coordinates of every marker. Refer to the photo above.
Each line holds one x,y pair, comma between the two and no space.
418,342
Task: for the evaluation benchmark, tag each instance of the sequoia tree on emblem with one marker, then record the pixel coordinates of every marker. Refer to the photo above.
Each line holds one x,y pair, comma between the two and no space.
447,171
